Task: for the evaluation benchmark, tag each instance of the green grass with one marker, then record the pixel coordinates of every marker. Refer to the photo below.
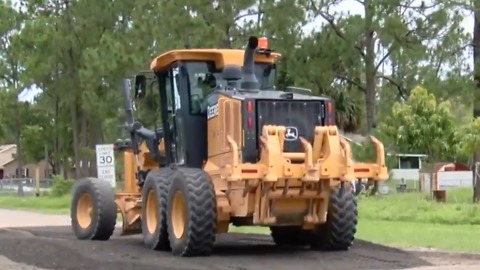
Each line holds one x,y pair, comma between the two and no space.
416,207
413,234
408,219
407,234
42,204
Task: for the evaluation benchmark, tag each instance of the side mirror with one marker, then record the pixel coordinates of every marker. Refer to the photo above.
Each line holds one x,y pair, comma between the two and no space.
140,86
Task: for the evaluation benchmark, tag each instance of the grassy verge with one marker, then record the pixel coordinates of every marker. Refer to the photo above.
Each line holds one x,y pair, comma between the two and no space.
412,234
42,204
408,234
415,207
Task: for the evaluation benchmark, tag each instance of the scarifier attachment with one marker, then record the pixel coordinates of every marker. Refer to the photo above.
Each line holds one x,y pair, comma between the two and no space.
329,158
373,171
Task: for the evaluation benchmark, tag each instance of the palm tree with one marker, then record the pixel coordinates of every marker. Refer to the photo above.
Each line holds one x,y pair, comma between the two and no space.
348,112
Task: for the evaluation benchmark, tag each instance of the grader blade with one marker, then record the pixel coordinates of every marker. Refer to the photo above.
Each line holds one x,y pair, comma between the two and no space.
129,207
131,229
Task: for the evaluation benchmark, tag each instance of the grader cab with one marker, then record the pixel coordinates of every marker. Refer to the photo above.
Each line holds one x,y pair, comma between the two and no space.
230,149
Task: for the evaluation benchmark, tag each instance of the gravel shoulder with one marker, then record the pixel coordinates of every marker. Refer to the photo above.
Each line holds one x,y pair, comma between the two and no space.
17,218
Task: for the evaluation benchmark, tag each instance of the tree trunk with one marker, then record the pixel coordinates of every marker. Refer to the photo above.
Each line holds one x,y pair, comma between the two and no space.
76,140
476,106
18,156
84,131
56,139
47,158
96,136
17,129
370,76
74,84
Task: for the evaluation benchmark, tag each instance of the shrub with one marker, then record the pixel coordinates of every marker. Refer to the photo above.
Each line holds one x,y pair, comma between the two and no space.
61,186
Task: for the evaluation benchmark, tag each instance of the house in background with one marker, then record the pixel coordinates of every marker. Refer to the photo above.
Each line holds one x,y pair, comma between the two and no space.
408,166
9,165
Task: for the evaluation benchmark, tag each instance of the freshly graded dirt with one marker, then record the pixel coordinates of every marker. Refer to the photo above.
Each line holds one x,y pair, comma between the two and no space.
55,247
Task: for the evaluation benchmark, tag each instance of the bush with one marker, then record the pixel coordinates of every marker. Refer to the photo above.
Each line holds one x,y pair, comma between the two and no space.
61,186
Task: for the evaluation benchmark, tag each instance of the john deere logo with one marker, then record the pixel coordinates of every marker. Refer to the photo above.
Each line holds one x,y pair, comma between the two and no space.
291,134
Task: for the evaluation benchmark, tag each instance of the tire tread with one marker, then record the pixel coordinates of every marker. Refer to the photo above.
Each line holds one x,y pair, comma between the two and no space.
201,205
105,217
338,233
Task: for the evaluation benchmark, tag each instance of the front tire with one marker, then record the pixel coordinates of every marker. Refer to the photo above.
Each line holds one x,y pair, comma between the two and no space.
192,213
154,205
93,210
338,233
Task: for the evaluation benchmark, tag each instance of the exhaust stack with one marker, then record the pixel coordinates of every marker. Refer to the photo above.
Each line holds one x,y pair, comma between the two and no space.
249,80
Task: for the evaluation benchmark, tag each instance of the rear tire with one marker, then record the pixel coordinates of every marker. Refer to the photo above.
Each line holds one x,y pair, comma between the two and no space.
192,213
289,236
155,195
93,211
338,233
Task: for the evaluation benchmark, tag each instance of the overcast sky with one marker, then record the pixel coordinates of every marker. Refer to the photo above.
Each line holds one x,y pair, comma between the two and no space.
351,6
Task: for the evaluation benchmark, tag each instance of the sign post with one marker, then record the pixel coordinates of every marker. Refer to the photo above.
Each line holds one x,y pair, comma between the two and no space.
106,163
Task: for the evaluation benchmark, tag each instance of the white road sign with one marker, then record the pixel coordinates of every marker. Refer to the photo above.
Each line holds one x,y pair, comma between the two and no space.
106,163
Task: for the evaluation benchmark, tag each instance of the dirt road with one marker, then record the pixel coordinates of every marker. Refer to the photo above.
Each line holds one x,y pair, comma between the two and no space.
54,247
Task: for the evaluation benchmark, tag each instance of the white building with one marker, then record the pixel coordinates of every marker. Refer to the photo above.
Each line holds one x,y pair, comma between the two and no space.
408,166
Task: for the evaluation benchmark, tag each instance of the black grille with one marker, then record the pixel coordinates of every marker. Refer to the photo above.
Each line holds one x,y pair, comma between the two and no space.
300,118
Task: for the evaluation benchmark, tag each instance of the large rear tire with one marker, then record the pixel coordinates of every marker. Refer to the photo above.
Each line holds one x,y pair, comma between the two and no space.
93,211
338,233
192,213
154,209
290,236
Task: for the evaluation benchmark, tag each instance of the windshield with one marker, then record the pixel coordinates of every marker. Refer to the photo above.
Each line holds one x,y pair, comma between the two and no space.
204,72
203,77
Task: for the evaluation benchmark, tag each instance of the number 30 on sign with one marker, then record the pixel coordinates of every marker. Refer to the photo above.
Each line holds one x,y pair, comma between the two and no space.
106,163
105,160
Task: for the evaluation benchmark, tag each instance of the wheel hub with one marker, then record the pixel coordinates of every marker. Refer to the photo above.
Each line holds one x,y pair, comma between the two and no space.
151,211
85,210
178,215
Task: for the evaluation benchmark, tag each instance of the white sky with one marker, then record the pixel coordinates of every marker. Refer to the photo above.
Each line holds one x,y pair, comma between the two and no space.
346,6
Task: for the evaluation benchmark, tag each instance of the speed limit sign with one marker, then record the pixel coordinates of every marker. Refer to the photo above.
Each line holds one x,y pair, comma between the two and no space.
106,163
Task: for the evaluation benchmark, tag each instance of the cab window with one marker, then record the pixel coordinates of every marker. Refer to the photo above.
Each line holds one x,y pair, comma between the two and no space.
265,75
172,82
147,109
203,77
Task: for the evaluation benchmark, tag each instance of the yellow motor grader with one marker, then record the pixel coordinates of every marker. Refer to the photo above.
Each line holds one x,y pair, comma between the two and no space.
230,149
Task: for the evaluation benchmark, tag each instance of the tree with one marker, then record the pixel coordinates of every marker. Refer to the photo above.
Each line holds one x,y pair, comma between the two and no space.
12,112
422,124
471,143
420,121
388,30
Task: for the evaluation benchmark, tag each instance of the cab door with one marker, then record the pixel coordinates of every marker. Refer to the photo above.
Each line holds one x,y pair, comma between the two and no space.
193,119
171,115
